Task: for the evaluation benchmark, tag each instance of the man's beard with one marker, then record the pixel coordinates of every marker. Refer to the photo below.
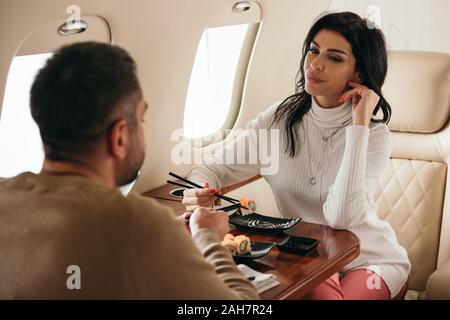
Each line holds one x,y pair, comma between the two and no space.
129,171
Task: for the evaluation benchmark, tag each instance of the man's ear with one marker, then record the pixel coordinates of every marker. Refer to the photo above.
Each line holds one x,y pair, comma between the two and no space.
119,139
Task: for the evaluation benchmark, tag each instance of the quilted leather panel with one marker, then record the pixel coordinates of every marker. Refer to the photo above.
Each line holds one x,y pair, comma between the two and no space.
410,197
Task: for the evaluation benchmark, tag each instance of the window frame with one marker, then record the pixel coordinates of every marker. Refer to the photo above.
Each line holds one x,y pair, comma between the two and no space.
227,16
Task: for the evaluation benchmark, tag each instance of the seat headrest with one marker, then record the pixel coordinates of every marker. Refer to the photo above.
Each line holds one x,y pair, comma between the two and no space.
418,89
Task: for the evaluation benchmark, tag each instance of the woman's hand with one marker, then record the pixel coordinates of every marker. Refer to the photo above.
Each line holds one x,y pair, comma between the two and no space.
195,198
364,101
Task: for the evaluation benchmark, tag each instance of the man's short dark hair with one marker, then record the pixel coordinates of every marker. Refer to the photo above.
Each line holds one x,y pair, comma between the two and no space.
79,93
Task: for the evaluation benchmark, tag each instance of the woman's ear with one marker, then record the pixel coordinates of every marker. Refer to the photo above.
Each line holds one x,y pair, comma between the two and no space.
357,78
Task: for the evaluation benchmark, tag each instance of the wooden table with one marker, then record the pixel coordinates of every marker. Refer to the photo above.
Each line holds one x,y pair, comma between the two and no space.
297,274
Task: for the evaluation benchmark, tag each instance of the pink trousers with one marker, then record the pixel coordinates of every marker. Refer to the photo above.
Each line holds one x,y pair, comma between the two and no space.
355,285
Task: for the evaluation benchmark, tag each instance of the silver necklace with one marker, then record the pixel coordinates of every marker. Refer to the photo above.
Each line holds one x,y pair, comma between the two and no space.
313,177
325,139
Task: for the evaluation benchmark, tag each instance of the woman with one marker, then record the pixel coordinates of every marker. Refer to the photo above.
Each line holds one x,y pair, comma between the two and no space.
335,151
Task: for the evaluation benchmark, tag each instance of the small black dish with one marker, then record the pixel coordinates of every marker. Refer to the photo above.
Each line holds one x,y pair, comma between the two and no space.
298,245
177,193
259,250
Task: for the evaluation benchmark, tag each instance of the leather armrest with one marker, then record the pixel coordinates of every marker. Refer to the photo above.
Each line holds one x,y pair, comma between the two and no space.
438,285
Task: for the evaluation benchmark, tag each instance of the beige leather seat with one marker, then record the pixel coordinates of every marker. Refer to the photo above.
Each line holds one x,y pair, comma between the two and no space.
414,194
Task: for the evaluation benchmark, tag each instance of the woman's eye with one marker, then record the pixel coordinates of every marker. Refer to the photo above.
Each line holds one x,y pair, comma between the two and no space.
313,50
335,59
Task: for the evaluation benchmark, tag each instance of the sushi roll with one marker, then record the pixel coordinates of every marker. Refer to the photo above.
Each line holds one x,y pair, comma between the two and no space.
230,245
243,244
228,236
249,204
252,206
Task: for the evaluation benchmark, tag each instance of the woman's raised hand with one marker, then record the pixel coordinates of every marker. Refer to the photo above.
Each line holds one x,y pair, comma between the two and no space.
195,198
364,101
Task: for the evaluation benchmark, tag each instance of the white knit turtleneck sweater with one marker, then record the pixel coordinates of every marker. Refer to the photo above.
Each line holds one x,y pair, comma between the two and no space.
346,169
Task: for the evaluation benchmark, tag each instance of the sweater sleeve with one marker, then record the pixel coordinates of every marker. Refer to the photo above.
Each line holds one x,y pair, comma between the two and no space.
254,151
164,262
366,155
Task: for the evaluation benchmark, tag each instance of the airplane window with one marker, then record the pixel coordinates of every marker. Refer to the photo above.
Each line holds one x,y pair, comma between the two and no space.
20,141
212,80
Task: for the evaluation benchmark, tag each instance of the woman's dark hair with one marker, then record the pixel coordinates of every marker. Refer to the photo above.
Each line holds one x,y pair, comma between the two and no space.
369,49
77,95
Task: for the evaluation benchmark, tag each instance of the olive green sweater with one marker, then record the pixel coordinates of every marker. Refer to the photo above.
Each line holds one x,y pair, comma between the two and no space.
119,248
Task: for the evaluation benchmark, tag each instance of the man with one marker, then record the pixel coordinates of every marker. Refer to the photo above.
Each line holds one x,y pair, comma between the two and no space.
68,233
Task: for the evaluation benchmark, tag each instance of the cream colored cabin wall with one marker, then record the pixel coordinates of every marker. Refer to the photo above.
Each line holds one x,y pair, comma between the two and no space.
272,70
163,36
416,25
260,192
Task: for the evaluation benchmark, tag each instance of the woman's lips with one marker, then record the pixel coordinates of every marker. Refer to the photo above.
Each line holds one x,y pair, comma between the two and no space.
313,79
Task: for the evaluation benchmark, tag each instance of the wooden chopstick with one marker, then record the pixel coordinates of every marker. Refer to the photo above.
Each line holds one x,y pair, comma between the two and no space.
200,187
185,180
228,208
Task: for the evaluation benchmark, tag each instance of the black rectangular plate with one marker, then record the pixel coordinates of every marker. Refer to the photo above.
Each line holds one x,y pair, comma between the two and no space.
258,223
298,245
